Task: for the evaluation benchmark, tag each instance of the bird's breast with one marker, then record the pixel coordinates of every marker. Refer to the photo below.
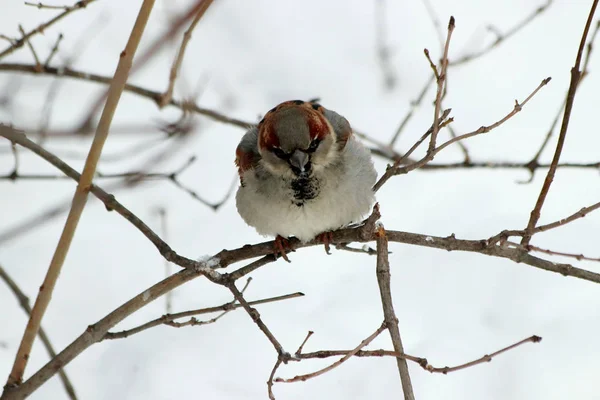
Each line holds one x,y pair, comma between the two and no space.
304,189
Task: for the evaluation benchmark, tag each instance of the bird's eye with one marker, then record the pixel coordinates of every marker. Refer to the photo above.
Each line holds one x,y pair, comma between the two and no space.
313,146
280,153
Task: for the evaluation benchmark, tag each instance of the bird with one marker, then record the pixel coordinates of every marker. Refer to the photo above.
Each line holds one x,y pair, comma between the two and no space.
303,173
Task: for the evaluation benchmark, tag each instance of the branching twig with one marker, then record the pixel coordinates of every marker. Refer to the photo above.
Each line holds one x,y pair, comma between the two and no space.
165,319
575,75
145,93
38,65
255,315
40,29
422,362
399,170
441,78
302,378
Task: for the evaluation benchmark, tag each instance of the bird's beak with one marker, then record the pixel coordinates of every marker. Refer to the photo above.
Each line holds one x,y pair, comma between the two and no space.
300,162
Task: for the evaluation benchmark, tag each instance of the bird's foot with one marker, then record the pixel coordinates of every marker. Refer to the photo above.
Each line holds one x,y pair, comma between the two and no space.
326,238
281,244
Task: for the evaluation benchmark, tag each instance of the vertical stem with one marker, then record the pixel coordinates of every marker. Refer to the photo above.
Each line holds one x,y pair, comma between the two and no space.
384,281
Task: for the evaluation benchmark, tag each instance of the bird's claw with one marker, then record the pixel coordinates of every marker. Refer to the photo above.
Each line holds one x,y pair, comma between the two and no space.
326,238
281,244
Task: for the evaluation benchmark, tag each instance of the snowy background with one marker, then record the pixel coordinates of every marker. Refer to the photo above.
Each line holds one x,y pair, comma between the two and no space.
247,57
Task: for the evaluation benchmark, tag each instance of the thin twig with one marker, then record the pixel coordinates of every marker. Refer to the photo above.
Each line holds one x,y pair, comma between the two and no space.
302,378
168,94
391,321
24,303
579,214
575,75
171,317
399,170
578,257
308,335
485,358
40,6
38,65
40,29
162,215
145,93
413,106
80,197
54,50
255,315
502,38
434,21
383,48
441,78
534,163
271,376
422,362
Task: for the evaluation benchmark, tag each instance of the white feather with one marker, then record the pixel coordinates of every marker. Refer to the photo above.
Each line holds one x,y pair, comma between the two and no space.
266,202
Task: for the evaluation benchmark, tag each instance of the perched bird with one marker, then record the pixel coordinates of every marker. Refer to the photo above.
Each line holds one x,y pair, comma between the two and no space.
302,173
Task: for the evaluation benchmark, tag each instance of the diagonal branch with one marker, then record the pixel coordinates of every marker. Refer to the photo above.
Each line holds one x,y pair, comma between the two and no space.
24,302
167,96
575,76
80,197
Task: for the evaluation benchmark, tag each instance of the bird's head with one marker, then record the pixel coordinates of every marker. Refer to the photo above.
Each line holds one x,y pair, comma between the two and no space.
296,138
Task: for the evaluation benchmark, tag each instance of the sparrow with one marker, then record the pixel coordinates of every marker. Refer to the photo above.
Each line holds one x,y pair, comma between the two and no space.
303,174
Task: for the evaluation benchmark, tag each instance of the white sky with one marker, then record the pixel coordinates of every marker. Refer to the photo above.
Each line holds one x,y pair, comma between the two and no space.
452,307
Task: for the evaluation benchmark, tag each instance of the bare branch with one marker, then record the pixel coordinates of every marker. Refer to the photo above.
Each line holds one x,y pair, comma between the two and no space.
502,38
172,317
391,321
53,51
167,96
38,65
40,6
145,93
441,78
383,49
255,315
24,303
423,363
40,29
575,75
396,169
485,358
413,106
302,378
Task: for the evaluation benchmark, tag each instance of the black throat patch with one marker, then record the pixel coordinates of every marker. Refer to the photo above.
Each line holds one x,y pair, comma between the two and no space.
304,188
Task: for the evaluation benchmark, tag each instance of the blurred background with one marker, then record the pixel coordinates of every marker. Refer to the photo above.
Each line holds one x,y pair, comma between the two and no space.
363,59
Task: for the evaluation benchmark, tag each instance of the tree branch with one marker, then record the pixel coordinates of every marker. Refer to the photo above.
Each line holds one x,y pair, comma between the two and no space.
391,321
575,76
